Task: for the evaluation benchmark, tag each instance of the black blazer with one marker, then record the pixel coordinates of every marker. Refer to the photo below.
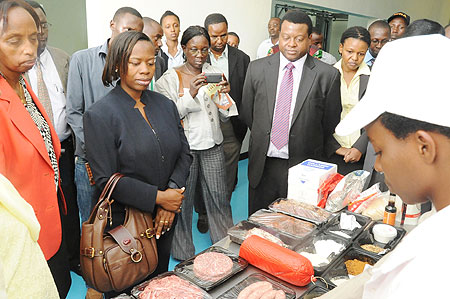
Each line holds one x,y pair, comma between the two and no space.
160,66
118,139
237,68
316,113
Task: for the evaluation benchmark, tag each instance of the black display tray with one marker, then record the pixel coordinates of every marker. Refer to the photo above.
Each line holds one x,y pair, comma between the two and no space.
338,269
307,212
234,291
333,225
239,232
314,292
186,269
366,237
308,246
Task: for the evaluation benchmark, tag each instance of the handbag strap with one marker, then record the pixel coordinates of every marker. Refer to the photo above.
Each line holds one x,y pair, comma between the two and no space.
126,242
104,199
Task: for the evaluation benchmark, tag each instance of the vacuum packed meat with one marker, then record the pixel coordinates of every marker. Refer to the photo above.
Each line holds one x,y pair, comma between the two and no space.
212,266
171,287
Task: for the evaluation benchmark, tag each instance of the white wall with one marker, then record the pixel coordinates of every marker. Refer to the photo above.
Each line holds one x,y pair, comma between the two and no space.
246,17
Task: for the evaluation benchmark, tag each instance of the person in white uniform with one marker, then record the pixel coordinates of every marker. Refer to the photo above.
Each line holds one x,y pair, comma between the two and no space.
405,114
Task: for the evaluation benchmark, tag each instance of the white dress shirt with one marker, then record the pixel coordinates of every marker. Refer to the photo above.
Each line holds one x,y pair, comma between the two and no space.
176,60
221,62
55,92
297,71
264,48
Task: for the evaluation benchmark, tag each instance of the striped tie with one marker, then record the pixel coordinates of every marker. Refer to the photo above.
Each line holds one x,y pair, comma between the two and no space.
43,96
280,125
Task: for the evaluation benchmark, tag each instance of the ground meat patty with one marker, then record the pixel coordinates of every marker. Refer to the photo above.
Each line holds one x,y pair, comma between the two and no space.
212,266
171,287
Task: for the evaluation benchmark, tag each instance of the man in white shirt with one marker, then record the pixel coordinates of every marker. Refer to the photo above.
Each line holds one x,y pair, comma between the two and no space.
48,79
291,104
411,138
274,33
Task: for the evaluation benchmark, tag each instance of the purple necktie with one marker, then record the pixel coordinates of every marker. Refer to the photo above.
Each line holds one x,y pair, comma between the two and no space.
280,125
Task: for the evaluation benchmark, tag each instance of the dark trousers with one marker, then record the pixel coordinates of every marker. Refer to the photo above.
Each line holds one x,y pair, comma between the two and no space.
273,185
59,263
71,221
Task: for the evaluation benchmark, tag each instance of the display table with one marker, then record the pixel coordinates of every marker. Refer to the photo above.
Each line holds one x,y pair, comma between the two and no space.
233,247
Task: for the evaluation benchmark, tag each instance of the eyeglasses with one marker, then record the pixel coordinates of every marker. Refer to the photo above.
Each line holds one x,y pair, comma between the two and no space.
46,25
195,51
377,41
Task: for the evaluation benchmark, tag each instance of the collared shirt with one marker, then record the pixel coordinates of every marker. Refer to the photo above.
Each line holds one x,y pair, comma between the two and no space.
368,58
221,62
349,98
200,115
297,71
55,91
84,87
421,259
176,60
264,47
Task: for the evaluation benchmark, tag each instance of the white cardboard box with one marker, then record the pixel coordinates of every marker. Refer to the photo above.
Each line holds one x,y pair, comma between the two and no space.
305,178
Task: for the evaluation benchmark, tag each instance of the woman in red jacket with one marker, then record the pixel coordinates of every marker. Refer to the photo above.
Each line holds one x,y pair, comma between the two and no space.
29,146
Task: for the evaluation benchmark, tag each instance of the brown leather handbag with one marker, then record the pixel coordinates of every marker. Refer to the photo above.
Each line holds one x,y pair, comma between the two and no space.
121,257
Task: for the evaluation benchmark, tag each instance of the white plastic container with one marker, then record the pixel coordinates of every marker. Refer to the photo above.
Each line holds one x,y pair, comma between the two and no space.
305,178
384,233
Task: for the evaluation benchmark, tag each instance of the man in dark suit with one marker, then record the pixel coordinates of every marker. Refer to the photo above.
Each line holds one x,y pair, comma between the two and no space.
233,63
154,32
291,103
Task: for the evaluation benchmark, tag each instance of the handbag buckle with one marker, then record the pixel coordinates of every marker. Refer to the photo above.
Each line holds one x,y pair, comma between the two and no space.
149,233
136,256
90,252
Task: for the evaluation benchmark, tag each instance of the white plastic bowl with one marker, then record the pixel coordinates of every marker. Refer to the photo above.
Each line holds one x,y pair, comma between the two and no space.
384,233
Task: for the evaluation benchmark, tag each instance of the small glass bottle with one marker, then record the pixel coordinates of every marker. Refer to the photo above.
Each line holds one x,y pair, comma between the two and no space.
390,212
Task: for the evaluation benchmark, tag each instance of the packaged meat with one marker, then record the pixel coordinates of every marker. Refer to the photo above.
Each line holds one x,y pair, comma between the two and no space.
284,223
167,286
281,262
322,250
123,296
244,229
301,210
314,292
255,282
211,267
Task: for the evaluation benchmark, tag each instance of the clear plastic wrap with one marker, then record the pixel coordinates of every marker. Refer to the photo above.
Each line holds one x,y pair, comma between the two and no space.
244,229
124,296
284,223
281,262
211,267
322,250
167,286
314,292
334,225
252,279
301,210
346,190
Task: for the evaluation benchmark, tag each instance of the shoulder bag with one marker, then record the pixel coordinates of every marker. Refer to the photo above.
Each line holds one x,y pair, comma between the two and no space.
121,257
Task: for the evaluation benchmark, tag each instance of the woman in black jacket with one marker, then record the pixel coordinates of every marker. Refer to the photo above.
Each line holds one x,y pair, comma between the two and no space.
138,133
